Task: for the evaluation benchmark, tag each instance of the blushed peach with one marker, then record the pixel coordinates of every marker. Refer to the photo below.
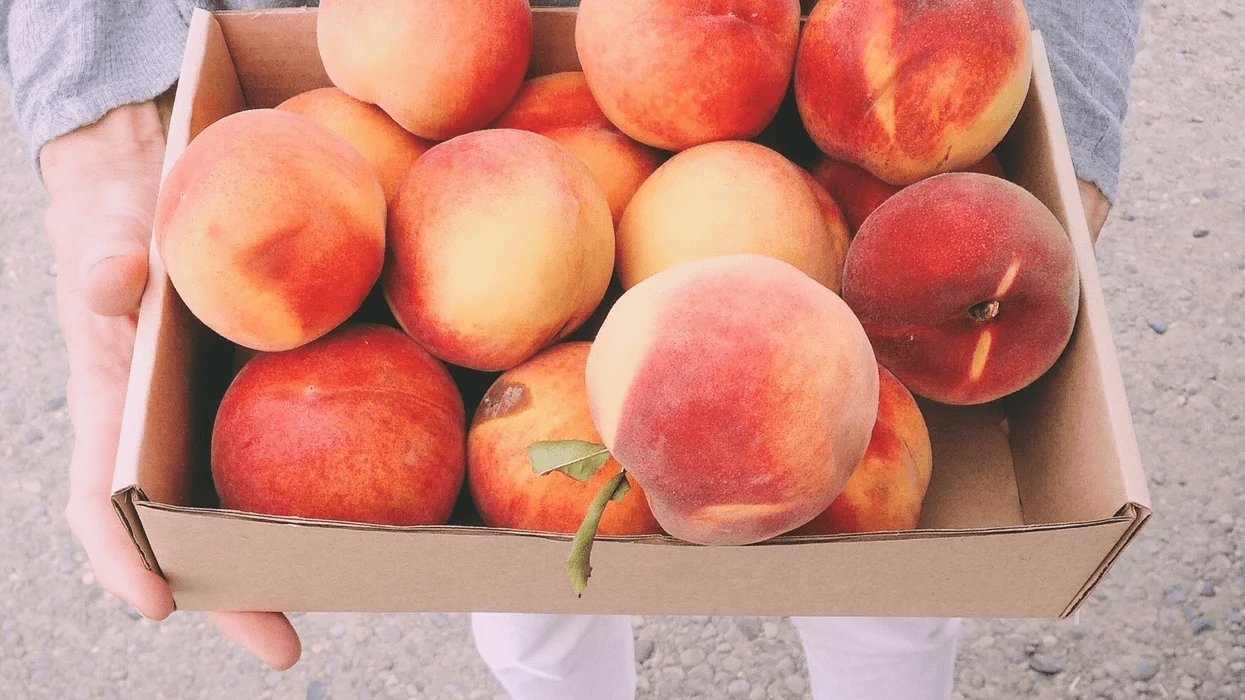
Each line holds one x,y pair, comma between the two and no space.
561,106
272,228
501,244
678,73
739,392
440,68
388,148
729,197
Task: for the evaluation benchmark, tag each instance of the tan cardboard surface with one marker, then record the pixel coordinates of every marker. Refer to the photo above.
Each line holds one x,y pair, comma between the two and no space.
1021,519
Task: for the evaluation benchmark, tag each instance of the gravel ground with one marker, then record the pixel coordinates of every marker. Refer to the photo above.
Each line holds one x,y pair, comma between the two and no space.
1166,621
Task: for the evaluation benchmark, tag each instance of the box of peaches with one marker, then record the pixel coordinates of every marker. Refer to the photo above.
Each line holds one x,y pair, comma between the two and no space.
631,307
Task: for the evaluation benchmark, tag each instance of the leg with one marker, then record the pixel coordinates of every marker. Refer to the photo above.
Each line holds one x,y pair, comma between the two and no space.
558,657
868,658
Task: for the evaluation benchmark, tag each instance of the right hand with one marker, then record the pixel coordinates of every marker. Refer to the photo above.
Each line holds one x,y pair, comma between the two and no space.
102,182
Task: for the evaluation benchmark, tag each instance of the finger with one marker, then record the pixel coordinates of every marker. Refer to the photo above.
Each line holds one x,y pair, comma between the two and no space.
269,636
115,559
99,356
113,286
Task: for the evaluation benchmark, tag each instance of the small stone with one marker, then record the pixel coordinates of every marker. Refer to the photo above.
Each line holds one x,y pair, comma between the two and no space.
750,627
337,631
1191,611
1174,597
1112,668
1144,670
691,657
770,630
315,690
1045,664
796,684
1208,590
739,687
643,649
1201,232
1148,407
673,674
1200,625
1157,325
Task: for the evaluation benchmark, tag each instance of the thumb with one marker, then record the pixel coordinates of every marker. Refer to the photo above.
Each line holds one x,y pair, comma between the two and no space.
114,271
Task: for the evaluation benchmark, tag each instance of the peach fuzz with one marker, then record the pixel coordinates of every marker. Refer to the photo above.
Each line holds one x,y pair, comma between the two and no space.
386,146
678,73
561,106
440,68
360,425
888,488
543,399
907,90
501,243
271,227
739,392
730,197
967,286
858,192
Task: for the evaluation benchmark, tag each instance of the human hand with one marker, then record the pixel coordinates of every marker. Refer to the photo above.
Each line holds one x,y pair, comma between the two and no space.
1096,206
102,182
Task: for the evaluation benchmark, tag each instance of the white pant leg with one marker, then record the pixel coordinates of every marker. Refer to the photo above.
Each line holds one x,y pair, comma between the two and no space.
558,657
879,658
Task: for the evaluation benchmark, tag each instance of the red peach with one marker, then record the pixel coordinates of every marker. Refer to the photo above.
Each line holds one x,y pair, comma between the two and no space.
910,89
966,284
543,399
360,425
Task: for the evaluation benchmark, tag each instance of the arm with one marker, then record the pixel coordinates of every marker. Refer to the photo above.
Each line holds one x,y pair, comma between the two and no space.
83,92
1091,46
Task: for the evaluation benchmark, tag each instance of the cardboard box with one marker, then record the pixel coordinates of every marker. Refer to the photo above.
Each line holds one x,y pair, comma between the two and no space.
1033,497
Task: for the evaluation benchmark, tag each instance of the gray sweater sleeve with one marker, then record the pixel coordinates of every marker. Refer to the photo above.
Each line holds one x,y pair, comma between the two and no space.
67,63
1091,46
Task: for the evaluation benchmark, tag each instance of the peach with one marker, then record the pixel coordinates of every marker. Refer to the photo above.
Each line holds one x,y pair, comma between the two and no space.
543,399
730,197
388,148
678,73
360,425
272,228
561,106
888,488
910,89
738,391
440,68
501,244
967,286
859,191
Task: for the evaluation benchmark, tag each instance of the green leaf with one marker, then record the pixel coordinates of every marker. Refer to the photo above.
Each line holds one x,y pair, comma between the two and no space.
577,459
577,566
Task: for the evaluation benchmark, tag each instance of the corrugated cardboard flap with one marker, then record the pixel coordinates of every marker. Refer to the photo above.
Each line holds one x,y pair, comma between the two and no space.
1136,513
